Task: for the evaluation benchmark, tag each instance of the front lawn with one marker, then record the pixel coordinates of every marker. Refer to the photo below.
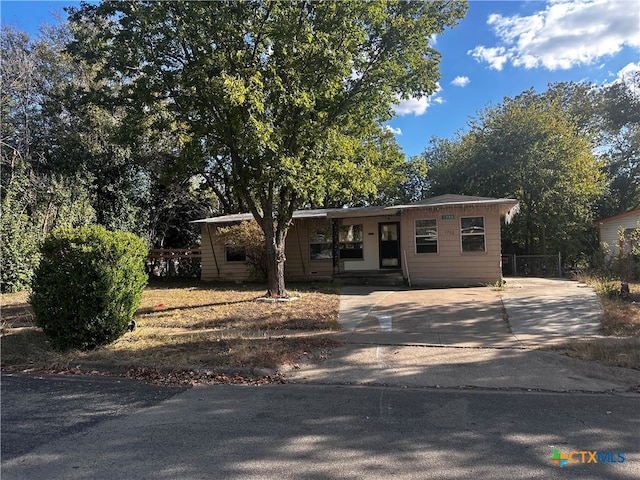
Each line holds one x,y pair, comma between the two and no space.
205,328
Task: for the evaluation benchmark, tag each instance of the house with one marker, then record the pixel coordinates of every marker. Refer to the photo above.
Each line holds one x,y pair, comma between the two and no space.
609,230
444,240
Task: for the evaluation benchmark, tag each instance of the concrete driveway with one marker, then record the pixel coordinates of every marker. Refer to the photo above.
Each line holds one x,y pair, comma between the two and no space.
528,312
468,337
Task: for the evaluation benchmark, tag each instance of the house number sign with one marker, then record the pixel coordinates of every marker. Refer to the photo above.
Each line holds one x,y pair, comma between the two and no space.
448,217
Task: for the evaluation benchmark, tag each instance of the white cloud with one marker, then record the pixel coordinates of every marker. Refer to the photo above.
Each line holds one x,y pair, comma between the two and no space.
460,81
417,105
630,76
565,34
496,57
395,131
412,106
629,73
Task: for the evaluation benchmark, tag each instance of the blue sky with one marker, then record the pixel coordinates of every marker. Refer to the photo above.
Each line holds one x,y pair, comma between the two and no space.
498,50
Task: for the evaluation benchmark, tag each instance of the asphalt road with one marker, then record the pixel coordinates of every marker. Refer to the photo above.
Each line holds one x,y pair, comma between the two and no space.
108,428
41,409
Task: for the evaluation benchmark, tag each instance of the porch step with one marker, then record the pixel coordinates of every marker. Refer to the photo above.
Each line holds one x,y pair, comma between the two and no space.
386,278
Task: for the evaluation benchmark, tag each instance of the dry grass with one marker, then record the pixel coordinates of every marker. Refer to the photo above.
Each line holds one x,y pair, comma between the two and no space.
622,317
621,323
614,352
189,325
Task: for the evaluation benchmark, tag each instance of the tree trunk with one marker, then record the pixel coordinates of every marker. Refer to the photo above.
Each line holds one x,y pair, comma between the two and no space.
275,245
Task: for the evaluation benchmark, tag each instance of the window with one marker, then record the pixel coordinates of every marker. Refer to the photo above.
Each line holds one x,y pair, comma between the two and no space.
320,244
426,236
472,233
234,253
350,239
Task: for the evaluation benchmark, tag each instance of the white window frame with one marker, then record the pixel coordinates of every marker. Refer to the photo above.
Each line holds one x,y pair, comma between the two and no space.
342,242
314,235
483,234
417,236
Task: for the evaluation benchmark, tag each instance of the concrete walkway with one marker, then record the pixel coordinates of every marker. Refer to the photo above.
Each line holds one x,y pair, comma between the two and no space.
468,337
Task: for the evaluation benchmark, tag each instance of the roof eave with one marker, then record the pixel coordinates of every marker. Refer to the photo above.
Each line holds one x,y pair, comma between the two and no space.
508,207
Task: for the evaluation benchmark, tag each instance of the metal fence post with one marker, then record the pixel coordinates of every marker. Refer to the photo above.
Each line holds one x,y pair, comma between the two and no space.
559,264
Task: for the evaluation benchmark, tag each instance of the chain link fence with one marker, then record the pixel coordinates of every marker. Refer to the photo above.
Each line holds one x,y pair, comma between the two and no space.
532,265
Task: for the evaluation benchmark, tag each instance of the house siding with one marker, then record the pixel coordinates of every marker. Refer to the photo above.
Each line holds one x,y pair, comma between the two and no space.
608,232
214,262
299,264
450,265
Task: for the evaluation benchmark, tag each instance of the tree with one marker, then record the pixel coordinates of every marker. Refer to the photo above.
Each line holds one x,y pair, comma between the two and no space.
619,109
35,198
526,148
409,184
382,170
610,116
274,102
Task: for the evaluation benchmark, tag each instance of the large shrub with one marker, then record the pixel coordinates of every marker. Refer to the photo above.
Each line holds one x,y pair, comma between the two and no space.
247,240
88,285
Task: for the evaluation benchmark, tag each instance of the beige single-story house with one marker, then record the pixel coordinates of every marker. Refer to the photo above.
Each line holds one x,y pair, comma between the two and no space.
609,239
444,240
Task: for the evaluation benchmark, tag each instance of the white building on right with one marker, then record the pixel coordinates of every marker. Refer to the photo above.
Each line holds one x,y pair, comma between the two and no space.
611,241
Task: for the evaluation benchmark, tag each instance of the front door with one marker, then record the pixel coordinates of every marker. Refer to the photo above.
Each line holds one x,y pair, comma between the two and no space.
389,236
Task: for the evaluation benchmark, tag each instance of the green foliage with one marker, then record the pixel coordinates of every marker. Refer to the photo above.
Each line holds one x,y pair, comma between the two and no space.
78,160
528,149
634,240
32,207
175,205
18,246
627,264
618,109
88,285
381,168
247,238
278,104
610,117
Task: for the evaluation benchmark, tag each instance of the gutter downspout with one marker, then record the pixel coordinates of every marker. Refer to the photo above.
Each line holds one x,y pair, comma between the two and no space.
213,250
406,266
304,270
335,246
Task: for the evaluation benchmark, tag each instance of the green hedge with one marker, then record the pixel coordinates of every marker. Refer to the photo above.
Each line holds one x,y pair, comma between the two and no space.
88,285
18,251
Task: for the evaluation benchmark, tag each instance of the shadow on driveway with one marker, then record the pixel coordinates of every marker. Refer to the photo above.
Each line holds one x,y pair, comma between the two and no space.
468,337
